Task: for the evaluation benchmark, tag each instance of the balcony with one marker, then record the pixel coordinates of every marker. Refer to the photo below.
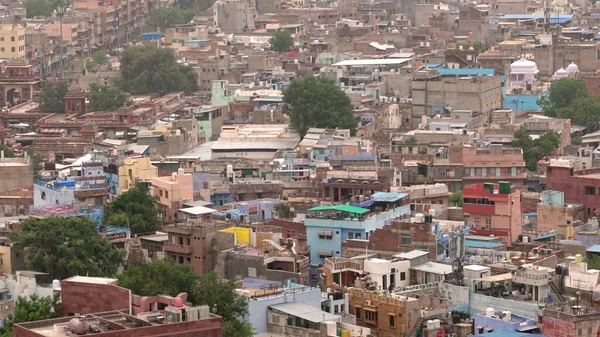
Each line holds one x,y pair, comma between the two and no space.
179,229
175,248
479,209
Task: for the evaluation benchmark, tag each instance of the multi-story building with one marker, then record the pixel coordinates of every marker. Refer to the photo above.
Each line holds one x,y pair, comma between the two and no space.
234,16
432,91
327,227
135,171
494,209
172,191
12,41
579,187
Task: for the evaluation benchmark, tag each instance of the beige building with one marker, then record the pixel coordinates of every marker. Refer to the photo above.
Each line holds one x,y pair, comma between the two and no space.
12,41
431,93
172,191
135,171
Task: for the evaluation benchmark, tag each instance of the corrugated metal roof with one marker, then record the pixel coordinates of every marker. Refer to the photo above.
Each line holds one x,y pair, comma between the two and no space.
594,249
482,244
388,196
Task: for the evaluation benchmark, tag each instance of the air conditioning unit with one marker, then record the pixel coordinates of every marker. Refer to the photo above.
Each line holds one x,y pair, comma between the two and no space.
172,315
549,251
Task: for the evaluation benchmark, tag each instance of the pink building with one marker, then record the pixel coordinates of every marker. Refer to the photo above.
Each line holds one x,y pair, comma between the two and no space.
493,209
172,191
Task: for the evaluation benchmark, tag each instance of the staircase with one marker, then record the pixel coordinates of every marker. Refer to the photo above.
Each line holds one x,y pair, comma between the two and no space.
415,328
556,291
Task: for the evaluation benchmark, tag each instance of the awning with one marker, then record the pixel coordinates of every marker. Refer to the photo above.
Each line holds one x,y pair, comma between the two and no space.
198,210
325,232
325,252
528,328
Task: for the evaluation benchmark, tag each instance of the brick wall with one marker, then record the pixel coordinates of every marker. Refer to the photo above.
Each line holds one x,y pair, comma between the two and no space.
83,298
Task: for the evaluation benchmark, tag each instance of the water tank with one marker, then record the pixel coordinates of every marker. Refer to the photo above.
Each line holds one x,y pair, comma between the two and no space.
489,312
436,323
430,325
578,258
419,218
331,329
507,316
55,284
525,239
180,171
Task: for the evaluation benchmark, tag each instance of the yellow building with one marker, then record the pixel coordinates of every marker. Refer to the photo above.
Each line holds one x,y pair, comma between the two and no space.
12,41
135,171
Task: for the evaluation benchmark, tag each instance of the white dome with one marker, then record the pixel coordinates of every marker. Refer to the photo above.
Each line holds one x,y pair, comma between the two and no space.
523,66
572,68
560,73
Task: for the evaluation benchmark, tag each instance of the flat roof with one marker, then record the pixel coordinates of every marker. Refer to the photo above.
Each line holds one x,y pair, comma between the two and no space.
93,280
434,268
368,62
198,210
495,278
467,71
477,267
594,249
482,244
272,144
411,255
388,196
197,203
304,311
155,238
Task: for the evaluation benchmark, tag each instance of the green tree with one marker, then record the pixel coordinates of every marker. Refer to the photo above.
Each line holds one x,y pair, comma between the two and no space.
411,140
90,65
317,102
43,7
100,57
37,165
148,69
282,210
160,18
64,247
479,46
106,97
52,96
134,209
8,152
561,95
456,198
584,111
196,5
221,297
575,141
593,262
534,150
159,277
34,308
281,41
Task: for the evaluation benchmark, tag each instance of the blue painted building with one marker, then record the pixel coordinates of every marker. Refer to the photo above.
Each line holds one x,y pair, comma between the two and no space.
521,102
328,226
504,322
251,211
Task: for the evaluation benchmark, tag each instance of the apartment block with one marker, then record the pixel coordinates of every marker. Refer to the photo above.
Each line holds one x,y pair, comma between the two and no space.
12,41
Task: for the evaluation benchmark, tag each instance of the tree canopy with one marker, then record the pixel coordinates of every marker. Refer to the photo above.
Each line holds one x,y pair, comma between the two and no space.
100,57
8,152
160,18
52,96
106,97
534,150
221,297
43,7
134,209
159,277
317,102
282,210
64,247
281,41
34,308
456,198
164,277
148,69
196,5
569,98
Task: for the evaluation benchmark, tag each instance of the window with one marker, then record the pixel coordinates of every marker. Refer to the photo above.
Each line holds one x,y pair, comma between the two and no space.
12,38
160,193
2,49
350,235
405,239
476,220
166,194
357,313
488,221
392,321
590,190
358,236
12,49
403,276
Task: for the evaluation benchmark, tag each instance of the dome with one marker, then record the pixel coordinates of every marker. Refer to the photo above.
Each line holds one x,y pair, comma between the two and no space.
523,66
572,68
78,326
560,73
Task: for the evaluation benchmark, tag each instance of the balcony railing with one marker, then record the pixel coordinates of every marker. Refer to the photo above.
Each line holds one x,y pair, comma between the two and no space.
175,248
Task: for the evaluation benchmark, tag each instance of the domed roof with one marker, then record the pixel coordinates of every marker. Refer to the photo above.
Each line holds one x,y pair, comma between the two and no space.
523,66
572,68
560,73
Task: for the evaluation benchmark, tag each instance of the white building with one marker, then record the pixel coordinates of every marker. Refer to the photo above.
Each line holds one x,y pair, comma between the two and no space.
388,273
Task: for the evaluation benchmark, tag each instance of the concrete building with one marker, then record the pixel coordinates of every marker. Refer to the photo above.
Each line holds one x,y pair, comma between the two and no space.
16,173
494,163
579,187
430,90
327,227
553,213
494,209
172,191
12,41
234,16
135,171
388,274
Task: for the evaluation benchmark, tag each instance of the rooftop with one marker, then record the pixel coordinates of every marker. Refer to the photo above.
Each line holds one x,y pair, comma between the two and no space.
92,280
434,268
376,62
411,255
306,312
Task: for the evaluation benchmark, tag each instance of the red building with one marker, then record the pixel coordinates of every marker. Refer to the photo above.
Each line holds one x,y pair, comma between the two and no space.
580,187
493,209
